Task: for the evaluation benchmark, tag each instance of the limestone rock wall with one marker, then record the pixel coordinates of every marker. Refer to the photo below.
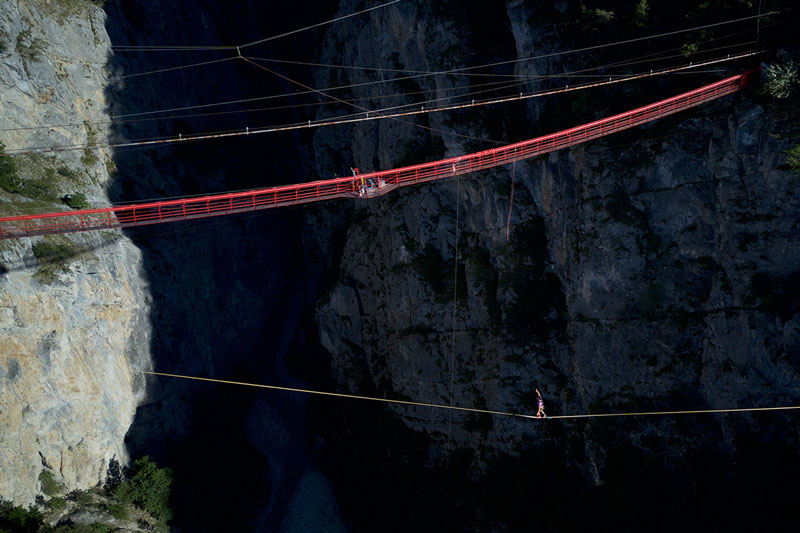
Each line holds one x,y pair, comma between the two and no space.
72,330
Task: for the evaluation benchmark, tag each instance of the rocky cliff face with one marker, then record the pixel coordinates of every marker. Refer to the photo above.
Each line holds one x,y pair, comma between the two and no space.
73,310
655,269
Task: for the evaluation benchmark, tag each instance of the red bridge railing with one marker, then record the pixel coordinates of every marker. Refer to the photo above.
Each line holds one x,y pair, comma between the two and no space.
382,181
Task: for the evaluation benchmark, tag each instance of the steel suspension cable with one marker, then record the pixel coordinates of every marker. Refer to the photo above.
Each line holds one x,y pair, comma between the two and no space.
617,43
366,110
123,118
422,74
186,48
365,116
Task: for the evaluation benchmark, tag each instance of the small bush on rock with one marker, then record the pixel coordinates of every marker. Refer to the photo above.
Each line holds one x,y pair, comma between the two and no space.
779,79
50,486
148,488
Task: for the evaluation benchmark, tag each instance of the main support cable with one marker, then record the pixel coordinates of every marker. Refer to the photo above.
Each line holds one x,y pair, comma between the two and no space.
504,82
367,110
471,409
188,48
365,116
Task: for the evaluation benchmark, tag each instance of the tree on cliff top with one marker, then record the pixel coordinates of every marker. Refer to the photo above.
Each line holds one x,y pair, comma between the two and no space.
780,78
148,488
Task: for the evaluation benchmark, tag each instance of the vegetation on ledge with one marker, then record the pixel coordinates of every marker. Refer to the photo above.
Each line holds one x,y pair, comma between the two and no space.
140,502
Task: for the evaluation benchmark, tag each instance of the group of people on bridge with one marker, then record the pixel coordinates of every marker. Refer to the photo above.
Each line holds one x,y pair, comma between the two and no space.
368,185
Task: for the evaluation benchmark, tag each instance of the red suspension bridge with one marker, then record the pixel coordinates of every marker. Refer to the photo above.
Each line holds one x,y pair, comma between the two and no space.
365,185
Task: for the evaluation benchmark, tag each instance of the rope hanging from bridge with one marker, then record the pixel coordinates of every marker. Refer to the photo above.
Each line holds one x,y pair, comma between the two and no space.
452,408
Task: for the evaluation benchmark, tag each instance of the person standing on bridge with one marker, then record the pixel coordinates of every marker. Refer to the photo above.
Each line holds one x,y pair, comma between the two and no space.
540,403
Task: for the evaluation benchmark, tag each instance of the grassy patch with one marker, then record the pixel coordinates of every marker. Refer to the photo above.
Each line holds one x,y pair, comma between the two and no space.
53,255
61,10
67,172
9,179
39,178
50,485
29,48
89,158
111,167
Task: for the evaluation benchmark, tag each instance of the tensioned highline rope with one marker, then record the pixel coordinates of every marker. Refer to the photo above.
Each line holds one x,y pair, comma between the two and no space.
470,409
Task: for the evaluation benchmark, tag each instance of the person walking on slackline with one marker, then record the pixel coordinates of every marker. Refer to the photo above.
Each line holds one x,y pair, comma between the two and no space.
540,403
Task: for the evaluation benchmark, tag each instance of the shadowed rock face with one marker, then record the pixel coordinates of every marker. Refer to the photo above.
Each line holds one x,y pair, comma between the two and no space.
228,298
652,270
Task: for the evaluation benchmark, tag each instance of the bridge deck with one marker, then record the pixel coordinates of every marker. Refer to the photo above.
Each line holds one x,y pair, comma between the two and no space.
349,187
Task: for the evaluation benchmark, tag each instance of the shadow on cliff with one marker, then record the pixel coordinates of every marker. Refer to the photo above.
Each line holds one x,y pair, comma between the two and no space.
226,294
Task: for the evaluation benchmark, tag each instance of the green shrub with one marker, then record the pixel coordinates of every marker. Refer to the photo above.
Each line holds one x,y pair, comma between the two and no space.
76,200
9,180
81,496
119,511
95,527
67,172
57,503
50,486
642,13
89,158
148,488
793,158
689,49
18,519
779,79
